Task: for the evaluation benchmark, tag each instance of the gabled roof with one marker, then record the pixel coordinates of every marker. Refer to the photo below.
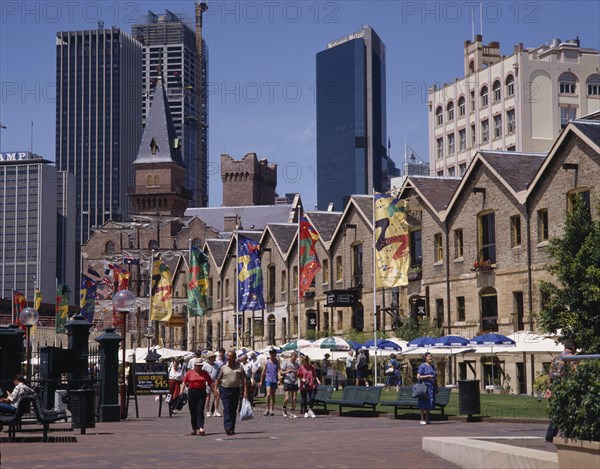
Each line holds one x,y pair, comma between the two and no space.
158,140
283,235
587,130
254,217
517,169
434,191
217,249
363,204
324,222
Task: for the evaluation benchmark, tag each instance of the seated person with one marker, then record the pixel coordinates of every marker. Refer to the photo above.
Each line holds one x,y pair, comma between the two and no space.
9,404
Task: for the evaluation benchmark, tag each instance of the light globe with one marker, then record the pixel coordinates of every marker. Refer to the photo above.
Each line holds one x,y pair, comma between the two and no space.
29,317
124,301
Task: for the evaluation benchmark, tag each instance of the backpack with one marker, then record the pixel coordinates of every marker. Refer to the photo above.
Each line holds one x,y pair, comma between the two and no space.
361,362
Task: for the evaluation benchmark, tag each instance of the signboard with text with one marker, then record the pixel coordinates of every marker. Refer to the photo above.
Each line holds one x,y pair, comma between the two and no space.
341,298
151,378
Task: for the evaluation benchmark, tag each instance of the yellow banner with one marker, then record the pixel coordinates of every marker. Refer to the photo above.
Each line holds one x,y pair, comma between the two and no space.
162,292
391,242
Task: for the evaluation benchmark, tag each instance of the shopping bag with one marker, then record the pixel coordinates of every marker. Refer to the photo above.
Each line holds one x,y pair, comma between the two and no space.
246,410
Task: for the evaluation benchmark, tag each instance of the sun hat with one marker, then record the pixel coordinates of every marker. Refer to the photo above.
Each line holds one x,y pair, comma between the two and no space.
211,355
198,362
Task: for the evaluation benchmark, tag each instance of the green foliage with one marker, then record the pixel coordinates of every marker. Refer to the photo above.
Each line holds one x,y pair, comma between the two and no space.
412,329
540,383
575,402
362,337
314,335
573,305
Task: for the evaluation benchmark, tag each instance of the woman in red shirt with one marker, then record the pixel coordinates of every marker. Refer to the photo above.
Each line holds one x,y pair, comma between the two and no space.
307,374
195,382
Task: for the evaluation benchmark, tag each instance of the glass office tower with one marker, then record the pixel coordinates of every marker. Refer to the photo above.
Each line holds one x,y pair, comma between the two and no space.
351,119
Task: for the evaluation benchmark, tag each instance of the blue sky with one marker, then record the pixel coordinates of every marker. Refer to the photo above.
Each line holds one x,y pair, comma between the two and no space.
262,66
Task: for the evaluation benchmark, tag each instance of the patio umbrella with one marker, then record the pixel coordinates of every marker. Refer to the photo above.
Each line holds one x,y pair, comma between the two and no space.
425,341
296,345
451,341
382,344
333,342
491,340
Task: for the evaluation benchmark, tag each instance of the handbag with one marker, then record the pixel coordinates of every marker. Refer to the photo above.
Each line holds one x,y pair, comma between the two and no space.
419,390
181,401
389,371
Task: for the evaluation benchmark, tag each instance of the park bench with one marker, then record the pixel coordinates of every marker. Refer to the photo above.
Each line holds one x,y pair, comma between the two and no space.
405,400
358,396
324,395
42,416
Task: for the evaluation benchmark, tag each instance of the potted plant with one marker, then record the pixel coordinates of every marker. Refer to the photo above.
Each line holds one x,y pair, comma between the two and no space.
414,273
540,385
483,264
575,411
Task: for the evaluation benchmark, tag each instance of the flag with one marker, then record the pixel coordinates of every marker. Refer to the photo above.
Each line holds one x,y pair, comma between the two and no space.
250,279
20,303
37,299
391,241
162,292
63,294
87,298
121,276
198,284
309,262
93,272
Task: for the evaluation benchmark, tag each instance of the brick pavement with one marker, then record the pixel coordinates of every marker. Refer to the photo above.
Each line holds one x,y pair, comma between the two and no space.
330,441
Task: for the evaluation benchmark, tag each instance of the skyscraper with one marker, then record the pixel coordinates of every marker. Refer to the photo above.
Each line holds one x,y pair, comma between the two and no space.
170,51
351,119
98,120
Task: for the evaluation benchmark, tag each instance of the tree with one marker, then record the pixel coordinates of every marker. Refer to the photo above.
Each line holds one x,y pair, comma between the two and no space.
574,304
412,329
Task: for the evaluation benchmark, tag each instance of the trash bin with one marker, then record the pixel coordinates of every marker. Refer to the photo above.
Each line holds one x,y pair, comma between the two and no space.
83,414
468,397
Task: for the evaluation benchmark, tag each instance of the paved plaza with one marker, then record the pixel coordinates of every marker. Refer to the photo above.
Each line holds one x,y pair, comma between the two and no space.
355,440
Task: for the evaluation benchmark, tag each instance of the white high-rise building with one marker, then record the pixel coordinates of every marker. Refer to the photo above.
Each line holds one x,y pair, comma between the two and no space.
518,103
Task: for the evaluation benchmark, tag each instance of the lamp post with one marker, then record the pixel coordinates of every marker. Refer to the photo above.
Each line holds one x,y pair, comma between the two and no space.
124,302
29,317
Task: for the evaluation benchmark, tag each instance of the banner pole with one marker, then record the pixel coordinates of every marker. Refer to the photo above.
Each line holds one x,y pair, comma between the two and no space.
374,292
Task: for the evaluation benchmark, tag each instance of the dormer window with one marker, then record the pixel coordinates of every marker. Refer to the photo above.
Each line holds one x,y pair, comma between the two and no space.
154,146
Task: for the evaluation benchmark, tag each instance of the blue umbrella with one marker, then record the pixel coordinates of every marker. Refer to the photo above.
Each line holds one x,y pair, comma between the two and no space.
354,345
492,339
451,341
383,344
422,342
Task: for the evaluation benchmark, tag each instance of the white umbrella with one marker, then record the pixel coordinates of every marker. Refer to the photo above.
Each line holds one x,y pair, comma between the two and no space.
528,342
333,342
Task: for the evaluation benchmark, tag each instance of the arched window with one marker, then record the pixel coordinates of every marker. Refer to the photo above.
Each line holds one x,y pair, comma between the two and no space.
593,85
461,106
156,180
566,83
489,309
439,116
149,182
471,67
510,85
450,111
484,96
152,244
497,87
109,247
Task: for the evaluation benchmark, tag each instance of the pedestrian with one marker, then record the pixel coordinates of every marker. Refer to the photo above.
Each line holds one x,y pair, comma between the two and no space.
362,368
231,378
176,373
219,362
307,374
247,367
557,369
288,372
350,364
325,368
195,382
254,377
10,403
269,376
392,373
190,363
211,367
426,373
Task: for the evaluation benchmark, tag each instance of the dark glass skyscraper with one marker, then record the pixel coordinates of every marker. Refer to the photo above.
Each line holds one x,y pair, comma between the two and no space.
98,120
351,119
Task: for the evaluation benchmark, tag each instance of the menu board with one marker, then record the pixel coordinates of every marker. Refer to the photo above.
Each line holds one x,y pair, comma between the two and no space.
151,378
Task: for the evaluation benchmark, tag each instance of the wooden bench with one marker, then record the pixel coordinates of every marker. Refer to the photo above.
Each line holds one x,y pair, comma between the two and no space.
358,397
324,395
405,400
42,416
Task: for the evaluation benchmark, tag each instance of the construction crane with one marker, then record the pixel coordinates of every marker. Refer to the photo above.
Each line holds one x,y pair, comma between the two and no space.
201,124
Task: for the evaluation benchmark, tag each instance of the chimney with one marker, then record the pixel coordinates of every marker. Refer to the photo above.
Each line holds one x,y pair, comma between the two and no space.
230,222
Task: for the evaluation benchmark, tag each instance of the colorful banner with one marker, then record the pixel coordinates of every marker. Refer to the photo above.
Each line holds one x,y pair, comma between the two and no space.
391,242
121,277
37,299
20,303
198,284
308,260
87,298
63,294
162,292
250,279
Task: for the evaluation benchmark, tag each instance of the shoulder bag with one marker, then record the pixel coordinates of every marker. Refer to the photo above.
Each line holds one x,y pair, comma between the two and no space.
419,390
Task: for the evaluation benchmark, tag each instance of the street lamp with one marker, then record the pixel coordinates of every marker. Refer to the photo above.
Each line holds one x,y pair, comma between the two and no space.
124,302
29,317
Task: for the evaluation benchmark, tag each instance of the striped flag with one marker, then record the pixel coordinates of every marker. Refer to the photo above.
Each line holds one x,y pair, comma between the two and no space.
308,260
63,295
162,292
198,284
391,241
87,299
250,279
